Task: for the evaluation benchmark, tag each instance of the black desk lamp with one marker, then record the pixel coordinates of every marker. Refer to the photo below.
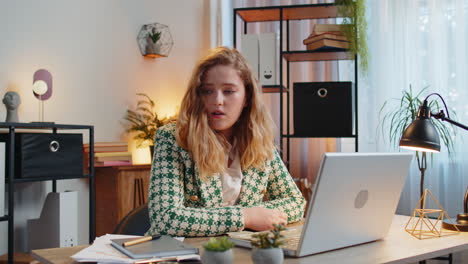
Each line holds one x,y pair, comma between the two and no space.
421,135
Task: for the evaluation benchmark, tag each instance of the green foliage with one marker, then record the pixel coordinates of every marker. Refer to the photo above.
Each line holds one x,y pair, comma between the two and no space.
144,120
269,239
354,14
154,35
219,244
401,116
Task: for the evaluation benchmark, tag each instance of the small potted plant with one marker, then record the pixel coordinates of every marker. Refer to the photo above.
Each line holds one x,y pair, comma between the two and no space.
266,246
218,251
152,46
144,121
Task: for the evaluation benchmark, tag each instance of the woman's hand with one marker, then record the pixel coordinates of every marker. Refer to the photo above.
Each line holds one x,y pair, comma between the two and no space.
260,218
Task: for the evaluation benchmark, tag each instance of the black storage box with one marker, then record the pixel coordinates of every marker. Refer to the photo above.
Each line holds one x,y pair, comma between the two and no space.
323,109
47,155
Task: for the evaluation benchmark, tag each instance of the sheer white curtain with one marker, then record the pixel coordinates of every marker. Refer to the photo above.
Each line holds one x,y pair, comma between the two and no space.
422,43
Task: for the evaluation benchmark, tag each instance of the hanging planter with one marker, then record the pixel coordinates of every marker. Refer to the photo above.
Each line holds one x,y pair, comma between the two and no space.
354,14
155,40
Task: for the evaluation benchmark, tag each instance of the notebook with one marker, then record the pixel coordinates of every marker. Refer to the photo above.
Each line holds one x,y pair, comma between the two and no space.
165,246
353,202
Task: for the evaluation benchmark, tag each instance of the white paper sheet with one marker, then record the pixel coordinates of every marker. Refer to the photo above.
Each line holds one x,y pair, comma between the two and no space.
101,251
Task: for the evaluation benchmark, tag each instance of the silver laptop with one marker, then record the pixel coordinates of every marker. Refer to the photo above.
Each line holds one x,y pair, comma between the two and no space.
353,202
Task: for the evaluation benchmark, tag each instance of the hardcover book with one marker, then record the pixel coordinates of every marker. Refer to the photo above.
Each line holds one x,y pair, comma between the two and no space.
165,246
325,44
329,28
327,35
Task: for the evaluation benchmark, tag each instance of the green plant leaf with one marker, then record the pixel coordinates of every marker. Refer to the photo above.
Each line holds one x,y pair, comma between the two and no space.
396,115
219,244
144,120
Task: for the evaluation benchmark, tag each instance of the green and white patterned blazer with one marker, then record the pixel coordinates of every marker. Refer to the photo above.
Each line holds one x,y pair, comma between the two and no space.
180,204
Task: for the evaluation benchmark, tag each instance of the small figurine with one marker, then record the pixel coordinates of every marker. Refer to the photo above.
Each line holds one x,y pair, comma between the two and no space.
12,100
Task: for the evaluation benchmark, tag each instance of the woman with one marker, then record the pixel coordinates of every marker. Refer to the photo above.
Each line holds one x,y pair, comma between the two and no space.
216,170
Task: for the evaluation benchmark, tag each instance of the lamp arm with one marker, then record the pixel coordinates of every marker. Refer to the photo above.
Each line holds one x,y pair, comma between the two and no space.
441,98
441,116
465,201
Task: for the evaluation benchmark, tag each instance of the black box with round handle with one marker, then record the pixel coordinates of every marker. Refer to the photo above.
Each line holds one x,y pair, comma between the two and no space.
50,155
323,109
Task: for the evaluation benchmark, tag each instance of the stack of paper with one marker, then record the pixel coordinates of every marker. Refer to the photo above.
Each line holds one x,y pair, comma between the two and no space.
101,251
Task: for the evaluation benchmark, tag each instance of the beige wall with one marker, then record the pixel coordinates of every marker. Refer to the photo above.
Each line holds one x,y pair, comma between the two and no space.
91,50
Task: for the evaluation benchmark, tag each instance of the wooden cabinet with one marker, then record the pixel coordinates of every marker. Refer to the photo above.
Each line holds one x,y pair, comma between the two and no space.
119,189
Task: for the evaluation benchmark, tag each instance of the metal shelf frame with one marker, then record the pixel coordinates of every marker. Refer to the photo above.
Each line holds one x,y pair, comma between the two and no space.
10,178
283,15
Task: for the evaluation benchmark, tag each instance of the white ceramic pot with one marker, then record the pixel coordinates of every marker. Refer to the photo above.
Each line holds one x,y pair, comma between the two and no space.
217,257
267,256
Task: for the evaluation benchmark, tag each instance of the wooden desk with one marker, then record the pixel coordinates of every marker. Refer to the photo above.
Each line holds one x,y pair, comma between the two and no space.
119,189
397,247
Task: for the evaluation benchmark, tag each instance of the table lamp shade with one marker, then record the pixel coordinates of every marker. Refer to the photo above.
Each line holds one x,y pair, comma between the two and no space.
421,135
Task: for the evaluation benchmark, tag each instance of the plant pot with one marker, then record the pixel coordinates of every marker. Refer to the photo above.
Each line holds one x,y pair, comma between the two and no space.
267,256
152,48
217,257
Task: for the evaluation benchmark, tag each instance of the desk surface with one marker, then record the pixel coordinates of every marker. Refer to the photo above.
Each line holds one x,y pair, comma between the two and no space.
397,247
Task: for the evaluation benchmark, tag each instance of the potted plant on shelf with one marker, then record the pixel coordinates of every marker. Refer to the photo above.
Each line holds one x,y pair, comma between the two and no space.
218,251
402,115
266,246
354,14
144,121
153,37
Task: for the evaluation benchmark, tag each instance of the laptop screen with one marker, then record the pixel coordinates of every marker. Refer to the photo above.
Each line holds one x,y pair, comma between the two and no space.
354,199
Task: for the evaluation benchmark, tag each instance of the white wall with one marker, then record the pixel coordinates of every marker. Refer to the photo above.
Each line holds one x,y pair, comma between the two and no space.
91,50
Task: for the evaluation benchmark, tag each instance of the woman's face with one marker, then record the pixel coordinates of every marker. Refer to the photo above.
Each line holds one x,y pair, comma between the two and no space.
223,95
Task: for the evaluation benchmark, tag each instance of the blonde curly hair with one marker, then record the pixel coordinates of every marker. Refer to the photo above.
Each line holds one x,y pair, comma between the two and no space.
253,131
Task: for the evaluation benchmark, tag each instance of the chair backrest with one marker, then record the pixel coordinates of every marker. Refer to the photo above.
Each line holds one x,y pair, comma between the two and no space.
136,222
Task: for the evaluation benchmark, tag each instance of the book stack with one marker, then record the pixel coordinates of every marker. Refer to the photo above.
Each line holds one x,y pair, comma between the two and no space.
327,37
108,154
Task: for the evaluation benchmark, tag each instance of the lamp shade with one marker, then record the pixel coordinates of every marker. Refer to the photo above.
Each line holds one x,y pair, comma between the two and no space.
40,87
421,135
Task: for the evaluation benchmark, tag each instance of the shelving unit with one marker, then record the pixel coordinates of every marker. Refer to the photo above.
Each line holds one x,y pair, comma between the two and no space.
10,178
283,15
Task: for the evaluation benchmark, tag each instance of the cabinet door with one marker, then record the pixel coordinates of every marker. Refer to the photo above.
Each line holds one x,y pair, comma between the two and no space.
116,191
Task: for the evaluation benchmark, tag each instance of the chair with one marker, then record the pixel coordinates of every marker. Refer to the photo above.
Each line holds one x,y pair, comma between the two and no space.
136,222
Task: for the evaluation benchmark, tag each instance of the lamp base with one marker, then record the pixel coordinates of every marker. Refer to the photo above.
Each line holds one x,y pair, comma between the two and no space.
461,223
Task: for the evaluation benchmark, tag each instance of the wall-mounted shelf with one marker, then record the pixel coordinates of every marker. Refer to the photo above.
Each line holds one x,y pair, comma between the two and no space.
292,12
306,55
274,88
294,136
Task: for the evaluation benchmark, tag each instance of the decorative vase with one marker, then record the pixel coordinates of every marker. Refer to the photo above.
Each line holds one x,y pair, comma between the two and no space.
217,257
267,256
